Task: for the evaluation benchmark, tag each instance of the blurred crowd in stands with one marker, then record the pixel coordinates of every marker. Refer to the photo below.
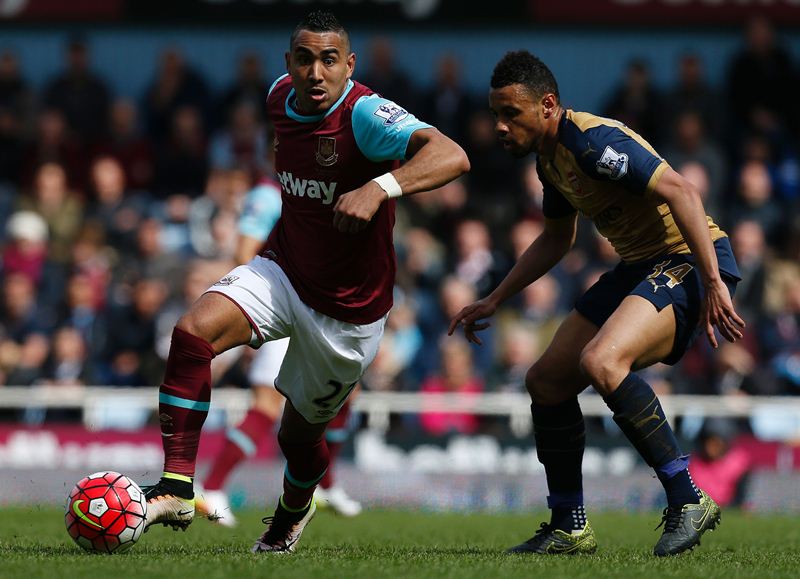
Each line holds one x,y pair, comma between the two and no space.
116,214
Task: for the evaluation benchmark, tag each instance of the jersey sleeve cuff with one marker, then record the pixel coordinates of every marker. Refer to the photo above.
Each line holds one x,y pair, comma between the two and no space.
651,184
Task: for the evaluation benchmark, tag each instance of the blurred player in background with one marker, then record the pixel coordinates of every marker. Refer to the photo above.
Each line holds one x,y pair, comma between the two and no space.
324,278
261,211
675,281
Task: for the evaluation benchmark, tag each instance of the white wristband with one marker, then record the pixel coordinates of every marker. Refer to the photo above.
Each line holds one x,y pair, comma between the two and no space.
388,183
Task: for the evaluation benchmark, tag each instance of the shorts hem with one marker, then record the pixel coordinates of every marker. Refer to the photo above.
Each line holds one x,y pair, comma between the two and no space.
244,312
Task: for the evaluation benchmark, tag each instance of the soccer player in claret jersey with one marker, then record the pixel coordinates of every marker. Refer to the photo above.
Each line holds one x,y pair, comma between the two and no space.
262,209
324,277
674,282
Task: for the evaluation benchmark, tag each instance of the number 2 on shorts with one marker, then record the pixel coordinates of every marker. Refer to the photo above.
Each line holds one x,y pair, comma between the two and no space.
339,394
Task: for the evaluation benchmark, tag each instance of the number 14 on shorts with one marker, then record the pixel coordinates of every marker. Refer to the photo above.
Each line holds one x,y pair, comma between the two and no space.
674,275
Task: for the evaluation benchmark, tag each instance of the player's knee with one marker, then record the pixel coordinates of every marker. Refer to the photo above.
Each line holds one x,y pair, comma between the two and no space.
542,385
602,368
191,325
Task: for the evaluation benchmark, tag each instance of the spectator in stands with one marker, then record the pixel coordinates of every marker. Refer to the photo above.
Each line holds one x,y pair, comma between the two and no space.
82,311
210,215
755,201
12,154
476,262
750,248
181,162
29,361
691,143
242,143
692,92
519,347
439,211
543,305
61,208
69,363
80,94
128,146
151,261
132,359
719,465
534,192
637,103
400,344
697,174
522,235
53,143
250,87
779,338
760,83
456,376
117,210
26,251
385,78
19,310
421,261
447,104
177,86
495,179
16,96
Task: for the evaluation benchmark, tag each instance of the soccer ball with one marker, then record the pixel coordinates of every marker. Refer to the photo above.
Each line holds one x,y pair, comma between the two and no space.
105,512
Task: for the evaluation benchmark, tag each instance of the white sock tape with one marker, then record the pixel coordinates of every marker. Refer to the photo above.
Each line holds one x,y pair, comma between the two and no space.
388,183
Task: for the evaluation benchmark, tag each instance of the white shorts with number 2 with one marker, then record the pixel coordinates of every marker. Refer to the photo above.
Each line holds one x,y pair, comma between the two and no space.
325,357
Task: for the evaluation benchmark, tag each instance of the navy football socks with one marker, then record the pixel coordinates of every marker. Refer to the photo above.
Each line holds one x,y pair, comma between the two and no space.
560,435
639,415
678,483
567,511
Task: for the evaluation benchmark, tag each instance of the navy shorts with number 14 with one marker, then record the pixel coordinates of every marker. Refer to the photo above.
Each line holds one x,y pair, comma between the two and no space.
668,279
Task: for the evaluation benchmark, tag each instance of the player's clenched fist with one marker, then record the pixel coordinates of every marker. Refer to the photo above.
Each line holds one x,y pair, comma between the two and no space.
354,210
469,316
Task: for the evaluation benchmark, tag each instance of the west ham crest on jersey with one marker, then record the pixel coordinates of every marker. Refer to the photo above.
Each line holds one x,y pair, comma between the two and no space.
326,151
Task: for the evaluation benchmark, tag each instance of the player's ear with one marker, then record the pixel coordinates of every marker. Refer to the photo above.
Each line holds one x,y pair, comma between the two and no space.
351,64
288,56
549,104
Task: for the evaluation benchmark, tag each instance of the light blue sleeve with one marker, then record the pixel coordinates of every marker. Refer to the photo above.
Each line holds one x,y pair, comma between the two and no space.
262,208
382,128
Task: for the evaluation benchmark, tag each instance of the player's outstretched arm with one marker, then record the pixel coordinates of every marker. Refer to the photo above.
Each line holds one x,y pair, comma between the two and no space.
542,255
434,160
687,209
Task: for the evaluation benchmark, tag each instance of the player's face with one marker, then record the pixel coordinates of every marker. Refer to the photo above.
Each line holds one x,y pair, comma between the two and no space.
520,122
320,66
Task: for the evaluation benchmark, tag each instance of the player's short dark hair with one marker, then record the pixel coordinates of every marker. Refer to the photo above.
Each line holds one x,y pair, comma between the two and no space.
521,67
321,21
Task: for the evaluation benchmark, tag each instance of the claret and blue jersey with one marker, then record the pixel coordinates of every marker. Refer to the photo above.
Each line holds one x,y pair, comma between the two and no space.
318,158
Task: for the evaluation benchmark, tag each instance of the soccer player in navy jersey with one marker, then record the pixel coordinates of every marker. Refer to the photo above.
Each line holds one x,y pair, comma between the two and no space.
675,280
324,277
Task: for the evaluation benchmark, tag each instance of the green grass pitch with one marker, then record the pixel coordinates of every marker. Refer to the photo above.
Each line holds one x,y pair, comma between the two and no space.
33,544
